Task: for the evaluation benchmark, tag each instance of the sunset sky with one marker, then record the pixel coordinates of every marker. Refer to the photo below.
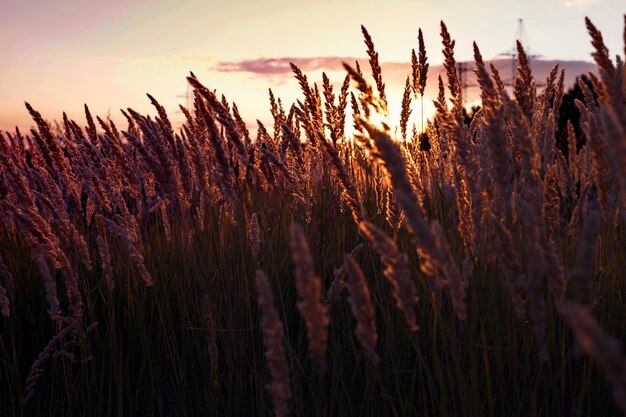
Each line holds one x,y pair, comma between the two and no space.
60,54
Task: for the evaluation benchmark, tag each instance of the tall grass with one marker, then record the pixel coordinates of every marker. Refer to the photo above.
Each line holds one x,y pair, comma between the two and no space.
149,271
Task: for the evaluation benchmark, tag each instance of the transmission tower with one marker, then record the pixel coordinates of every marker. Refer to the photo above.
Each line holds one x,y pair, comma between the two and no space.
189,99
461,69
520,35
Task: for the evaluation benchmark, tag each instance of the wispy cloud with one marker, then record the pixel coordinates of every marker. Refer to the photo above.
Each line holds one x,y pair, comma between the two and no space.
280,66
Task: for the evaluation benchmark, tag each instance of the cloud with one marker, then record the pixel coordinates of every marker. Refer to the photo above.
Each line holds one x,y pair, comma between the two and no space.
271,67
281,66
278,70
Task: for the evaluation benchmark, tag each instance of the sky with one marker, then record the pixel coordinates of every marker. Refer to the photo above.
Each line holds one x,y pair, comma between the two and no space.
60,54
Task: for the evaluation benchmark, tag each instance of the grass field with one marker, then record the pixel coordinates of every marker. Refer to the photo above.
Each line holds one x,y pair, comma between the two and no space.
337,264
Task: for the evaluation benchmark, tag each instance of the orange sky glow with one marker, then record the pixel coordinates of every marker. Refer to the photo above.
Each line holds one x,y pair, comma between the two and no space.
58,55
